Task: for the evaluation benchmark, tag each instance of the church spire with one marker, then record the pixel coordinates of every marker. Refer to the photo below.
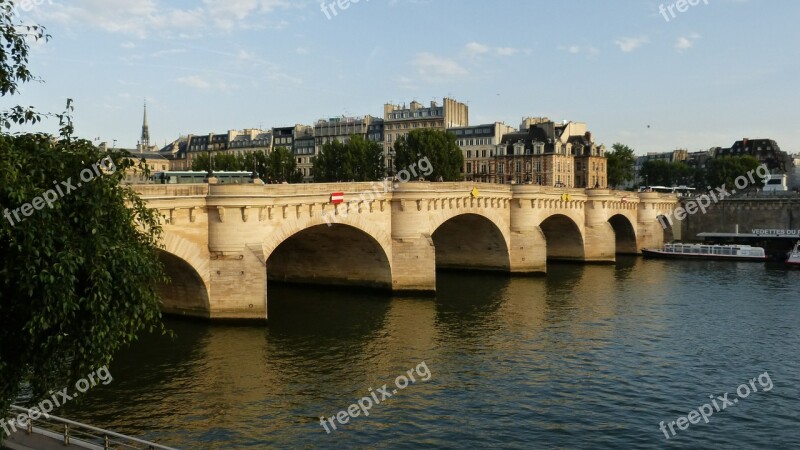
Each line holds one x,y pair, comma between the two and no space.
145,141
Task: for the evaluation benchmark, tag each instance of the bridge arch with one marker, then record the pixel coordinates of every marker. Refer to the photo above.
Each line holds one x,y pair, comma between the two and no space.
347,253
625,235
470,241
186,264
564,238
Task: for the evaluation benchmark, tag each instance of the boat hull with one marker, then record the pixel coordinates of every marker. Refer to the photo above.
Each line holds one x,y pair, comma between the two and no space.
659,254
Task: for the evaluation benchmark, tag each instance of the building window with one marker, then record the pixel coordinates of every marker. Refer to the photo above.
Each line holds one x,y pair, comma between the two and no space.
469,153
469,167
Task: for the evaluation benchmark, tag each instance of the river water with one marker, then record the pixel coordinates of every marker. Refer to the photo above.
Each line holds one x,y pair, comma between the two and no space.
586,357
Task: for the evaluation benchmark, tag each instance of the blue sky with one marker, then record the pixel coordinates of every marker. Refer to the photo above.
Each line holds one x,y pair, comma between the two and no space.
713,74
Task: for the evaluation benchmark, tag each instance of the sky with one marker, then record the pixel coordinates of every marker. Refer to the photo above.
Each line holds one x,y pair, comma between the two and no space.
633,71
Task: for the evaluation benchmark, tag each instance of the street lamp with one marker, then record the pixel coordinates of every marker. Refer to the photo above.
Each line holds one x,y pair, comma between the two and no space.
210,172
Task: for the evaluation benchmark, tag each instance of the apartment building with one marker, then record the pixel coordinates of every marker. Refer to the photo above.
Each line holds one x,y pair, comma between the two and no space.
399,120
479,144
550,154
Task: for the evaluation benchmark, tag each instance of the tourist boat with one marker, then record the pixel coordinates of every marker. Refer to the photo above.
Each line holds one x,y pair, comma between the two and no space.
794,256
706,251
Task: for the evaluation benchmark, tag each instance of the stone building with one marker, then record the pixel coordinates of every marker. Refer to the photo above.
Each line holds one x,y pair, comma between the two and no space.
550,154
399,120
765,150
479,144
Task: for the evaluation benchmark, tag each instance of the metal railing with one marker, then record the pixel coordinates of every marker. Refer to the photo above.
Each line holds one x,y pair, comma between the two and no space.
81,435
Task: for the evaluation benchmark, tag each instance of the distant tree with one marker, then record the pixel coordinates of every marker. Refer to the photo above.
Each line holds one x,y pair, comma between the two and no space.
283,167
620,162
666,173
439,147
358,159
724,171
256,161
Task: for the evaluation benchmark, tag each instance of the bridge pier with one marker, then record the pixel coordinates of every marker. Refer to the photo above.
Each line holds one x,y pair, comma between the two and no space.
600,244
651,232
413,253
413,264
238,286
599,236
528,246
528,252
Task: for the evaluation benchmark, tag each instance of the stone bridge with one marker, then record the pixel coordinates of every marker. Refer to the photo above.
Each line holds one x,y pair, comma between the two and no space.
222,243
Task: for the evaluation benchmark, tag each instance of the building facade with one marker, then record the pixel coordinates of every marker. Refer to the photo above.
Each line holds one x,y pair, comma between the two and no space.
399,120
767,151
479,143
550,154
183,151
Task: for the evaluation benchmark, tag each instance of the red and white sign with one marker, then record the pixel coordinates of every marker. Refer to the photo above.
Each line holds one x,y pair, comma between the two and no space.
337,197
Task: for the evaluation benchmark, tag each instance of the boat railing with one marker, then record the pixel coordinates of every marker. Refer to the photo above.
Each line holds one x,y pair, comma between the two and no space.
712,249
80,435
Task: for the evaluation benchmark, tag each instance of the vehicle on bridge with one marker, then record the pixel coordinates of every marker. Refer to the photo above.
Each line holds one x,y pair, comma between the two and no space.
199,177
682,191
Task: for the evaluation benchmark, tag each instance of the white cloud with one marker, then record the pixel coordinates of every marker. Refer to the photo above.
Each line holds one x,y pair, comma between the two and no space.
142,18
243,55
168,52
226,14
507,51
302,51
198,82
629,44
474,49
195,81
591,52
437,67
686,42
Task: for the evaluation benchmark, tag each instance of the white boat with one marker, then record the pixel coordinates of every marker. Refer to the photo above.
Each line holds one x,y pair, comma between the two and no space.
794,255
706,251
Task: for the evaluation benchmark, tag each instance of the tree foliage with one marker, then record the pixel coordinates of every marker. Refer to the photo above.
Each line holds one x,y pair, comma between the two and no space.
666,173
256,161
277,167
282,167
358,159
620,162
724,171
78,275
14,49
78,278
439,147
